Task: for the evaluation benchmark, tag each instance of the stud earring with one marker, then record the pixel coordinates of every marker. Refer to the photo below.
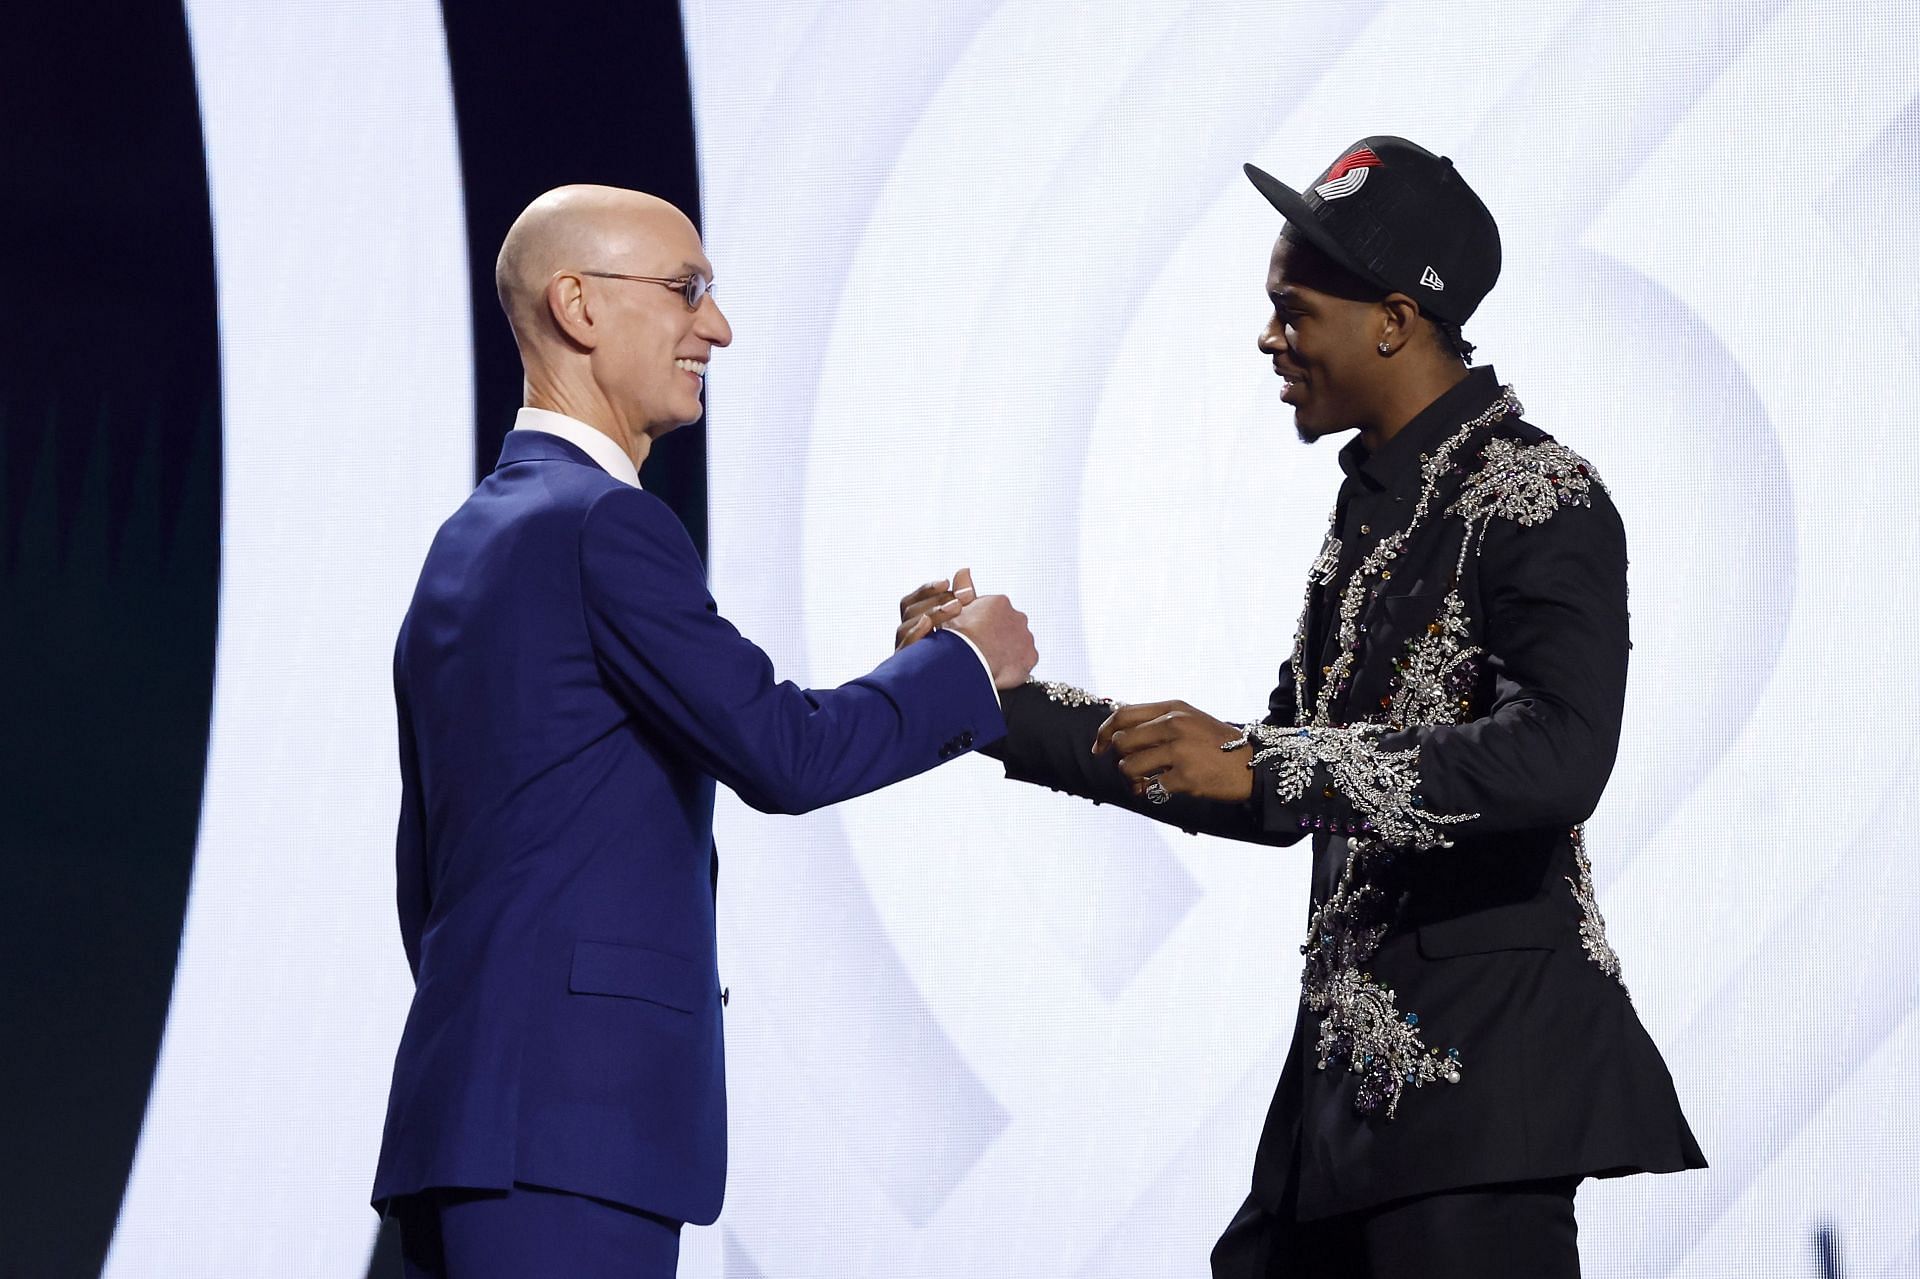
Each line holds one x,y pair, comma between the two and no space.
1384,349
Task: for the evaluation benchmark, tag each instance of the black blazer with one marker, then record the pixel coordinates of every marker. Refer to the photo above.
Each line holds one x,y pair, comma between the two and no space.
1448,718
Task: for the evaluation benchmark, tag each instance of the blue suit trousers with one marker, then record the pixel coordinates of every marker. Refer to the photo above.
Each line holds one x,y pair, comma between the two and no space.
530,1232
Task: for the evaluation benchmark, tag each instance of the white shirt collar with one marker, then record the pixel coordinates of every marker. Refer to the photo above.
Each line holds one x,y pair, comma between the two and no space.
612,458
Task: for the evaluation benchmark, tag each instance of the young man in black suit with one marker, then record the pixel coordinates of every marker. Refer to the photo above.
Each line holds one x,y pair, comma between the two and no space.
1466,1051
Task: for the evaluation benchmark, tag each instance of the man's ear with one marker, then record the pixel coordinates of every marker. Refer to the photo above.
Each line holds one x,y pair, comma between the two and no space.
572,314
1399,322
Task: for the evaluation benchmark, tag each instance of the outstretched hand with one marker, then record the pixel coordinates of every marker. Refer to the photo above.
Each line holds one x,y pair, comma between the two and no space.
932,605
1180,747
997,629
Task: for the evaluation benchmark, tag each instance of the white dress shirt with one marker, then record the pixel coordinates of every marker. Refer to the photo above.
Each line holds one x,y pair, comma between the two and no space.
595,444
614,461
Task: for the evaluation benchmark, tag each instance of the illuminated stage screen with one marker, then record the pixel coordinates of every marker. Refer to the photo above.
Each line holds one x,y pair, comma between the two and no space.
995,279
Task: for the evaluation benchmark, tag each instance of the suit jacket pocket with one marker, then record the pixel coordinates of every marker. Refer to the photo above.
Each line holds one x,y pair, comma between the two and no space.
1528,925
636,972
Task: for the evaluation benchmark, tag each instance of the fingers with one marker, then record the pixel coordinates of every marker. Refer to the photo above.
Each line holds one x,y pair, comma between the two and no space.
945,613
923,623
1147,761
963,581
1128,717
940,604
1155,732
907,632
921,595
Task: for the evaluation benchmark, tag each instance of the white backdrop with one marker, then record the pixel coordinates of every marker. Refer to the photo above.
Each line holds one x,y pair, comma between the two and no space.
995,279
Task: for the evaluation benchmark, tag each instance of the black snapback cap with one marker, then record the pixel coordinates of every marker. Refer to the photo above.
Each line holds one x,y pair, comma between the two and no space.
1399,217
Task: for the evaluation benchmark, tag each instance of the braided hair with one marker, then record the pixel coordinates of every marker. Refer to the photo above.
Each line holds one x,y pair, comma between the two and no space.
1447,334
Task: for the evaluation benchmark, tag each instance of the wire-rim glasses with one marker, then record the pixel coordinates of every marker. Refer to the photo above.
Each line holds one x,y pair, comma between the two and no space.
693,288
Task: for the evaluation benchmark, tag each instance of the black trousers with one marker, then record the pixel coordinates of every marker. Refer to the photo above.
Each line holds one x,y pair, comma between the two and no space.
1524,1230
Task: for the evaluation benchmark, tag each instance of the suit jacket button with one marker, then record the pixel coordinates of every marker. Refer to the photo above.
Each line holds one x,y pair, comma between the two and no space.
966,741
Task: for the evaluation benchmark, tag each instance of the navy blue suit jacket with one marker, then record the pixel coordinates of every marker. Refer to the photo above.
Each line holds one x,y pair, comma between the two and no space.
568,695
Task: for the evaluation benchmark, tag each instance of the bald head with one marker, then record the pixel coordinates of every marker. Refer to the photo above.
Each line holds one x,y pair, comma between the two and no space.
575,228
596,282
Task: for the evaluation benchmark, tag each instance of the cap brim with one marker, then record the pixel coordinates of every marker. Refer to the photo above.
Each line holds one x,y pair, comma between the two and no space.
1295,209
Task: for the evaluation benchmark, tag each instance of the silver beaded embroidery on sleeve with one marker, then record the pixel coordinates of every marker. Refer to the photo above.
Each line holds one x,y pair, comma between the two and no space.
1382,785
1593,928
1068,695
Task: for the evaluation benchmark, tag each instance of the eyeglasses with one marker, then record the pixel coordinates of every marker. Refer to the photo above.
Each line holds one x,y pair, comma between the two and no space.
693,289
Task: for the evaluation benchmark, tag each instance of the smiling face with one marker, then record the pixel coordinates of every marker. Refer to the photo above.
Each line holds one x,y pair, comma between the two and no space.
1321,339
651,363
626,356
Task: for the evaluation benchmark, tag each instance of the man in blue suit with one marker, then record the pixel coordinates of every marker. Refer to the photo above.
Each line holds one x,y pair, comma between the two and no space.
568,696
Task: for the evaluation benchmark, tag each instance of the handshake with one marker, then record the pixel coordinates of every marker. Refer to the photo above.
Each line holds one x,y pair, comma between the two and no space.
1161,749
996,627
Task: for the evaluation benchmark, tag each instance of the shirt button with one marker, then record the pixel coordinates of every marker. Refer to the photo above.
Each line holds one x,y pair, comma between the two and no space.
1364,530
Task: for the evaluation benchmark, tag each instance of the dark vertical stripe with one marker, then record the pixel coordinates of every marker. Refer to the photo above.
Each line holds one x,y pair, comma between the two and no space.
109,577
1827,1246
550,94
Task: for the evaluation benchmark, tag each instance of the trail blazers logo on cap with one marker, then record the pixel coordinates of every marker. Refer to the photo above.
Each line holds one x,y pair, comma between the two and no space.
1348,174
1431,278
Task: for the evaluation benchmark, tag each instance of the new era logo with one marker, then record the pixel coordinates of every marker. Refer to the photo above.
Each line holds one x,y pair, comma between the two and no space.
1431,279
1348,174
